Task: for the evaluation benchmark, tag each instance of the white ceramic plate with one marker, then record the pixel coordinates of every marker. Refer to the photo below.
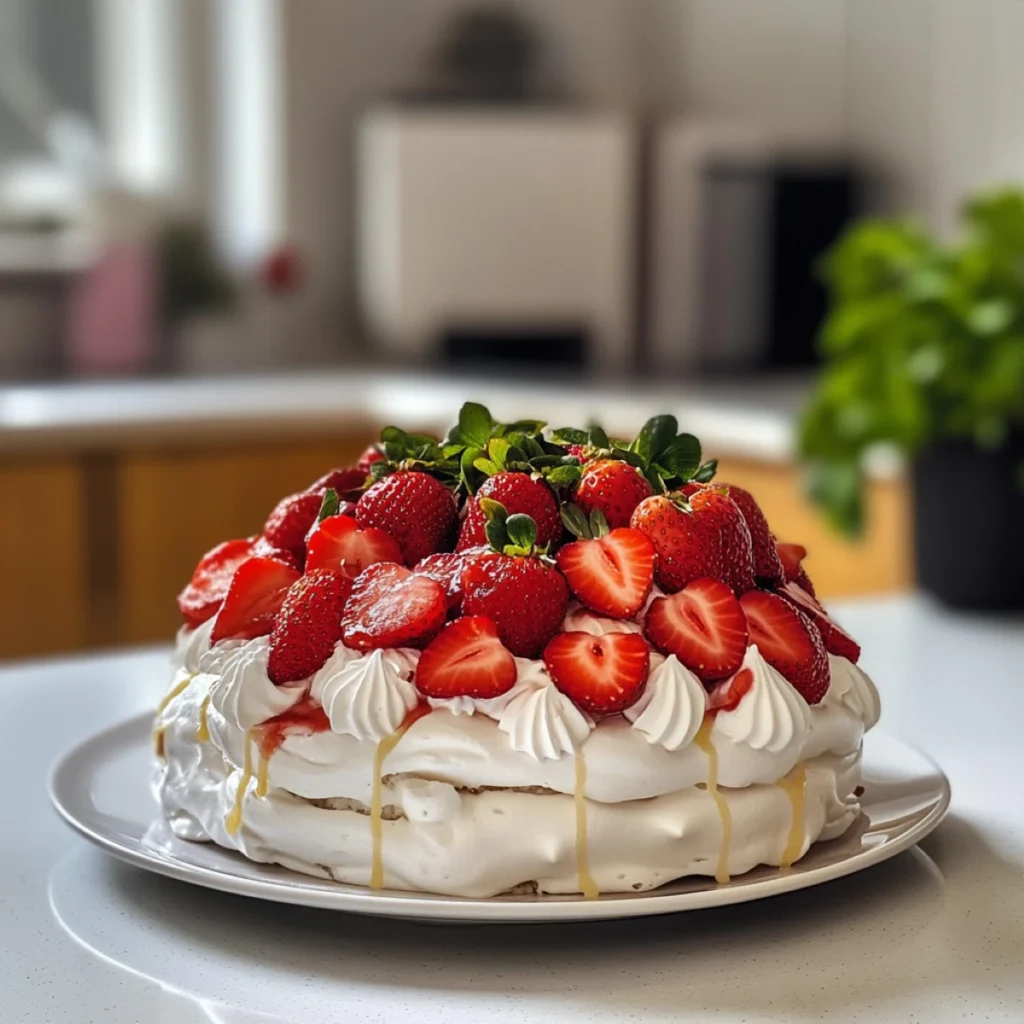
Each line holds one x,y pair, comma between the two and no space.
101,788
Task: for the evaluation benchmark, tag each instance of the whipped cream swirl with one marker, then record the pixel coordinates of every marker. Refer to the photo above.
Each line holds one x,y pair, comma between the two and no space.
540,720
671,709
368,696
851,687
190,645
243,693
771,716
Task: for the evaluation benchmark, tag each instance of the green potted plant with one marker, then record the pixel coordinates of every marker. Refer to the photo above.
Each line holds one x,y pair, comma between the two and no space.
923,351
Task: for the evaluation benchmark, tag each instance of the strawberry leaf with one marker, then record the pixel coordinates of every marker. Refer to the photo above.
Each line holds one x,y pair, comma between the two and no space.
570,435
575,521
493,510
498,450
475,424
563,476
707,472
598,438
329,506
521,530
497,535
682,458
485,466
469,476
598,523
656,437
525,427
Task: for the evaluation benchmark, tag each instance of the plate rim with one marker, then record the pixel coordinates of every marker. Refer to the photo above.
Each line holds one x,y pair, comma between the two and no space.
428,906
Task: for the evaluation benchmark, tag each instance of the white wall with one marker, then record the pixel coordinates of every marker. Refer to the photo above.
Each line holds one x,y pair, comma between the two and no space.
926,93
341,54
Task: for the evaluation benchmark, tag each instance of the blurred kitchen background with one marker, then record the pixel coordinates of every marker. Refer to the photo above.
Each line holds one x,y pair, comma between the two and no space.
239,236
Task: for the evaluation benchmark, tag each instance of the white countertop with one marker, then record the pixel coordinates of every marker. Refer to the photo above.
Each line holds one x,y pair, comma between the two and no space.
754,419
935,935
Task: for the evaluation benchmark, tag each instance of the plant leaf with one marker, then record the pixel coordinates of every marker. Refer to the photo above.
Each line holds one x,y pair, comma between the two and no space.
598,523
655,437
329,506
707,472
493,510
521,530
598,438
469,475
682,457
496,534
575,521
475,424
498,451
570,435
485,466
563,476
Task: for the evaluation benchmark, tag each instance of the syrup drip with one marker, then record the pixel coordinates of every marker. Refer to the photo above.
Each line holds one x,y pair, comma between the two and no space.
586,881
203,732
306,717
160,730
703,740
795,787
233,823
384,747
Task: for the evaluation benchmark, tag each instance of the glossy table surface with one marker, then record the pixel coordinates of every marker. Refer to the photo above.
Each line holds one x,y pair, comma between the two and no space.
935,935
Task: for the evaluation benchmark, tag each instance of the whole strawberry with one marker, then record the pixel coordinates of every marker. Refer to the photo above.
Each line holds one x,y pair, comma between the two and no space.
415,508
524,596
716,511
287,525
519,493
686,546
514,586
308,625
767,564
614,488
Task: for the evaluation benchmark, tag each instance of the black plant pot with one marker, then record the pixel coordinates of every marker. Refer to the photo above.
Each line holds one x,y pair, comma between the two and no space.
969,524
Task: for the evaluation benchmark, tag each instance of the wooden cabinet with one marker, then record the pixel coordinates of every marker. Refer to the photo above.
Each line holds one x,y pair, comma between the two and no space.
43,557
174,505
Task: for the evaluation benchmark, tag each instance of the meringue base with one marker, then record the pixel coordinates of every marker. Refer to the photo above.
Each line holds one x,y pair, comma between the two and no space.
438,838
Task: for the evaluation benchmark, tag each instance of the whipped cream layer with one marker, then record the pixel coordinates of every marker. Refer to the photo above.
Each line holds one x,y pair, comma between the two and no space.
453,786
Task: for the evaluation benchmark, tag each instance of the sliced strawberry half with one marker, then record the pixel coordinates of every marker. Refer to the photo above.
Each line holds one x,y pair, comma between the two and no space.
835,638
792,556
446,568
308,625
602,675
262,547
209,585
703,626
339,543
466,659
612,575
789,641
253,600
391,606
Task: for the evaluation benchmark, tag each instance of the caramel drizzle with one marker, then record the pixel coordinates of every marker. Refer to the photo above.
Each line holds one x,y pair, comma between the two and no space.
233,822
203,732
703,740
385,747
586,881
160,730
795,787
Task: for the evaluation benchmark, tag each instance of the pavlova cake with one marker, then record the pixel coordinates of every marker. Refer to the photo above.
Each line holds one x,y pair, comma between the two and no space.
513,660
